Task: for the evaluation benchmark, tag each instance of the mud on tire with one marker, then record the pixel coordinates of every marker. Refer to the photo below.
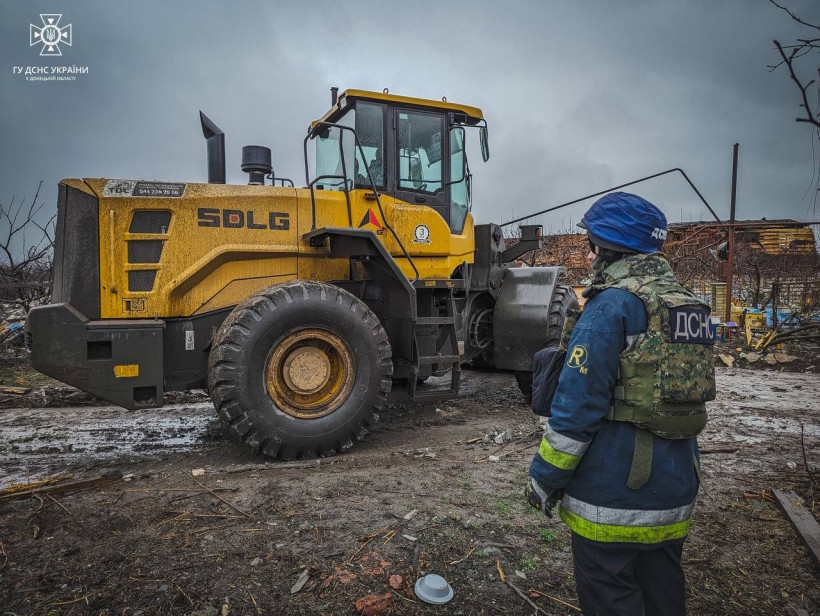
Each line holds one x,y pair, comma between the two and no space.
249,360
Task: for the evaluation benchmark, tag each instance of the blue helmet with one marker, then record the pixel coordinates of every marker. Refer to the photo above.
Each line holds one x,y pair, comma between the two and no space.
626,223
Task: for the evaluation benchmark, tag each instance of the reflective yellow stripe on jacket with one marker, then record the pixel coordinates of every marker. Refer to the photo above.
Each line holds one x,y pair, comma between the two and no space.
560,450
625,525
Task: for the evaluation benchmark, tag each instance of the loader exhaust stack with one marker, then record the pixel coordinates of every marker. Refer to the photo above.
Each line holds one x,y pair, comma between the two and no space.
216,150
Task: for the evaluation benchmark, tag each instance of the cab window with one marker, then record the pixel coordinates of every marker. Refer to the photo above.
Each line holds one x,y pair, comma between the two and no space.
370,129
420,152
367,120
328,158
459,194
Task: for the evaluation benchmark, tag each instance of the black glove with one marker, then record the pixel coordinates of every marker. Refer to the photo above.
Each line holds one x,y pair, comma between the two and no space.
543,499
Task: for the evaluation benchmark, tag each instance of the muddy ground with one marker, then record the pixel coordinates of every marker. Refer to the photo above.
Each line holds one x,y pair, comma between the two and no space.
157,542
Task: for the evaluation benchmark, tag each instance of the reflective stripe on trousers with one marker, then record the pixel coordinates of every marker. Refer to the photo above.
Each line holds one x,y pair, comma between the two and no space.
611,525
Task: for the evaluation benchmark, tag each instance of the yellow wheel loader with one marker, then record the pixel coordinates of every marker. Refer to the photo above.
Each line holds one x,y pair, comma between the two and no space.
297,308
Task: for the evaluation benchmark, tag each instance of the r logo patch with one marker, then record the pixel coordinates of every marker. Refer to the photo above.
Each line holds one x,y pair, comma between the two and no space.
577,357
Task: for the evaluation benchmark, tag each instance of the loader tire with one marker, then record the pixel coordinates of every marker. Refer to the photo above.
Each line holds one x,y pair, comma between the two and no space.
563,299
298,370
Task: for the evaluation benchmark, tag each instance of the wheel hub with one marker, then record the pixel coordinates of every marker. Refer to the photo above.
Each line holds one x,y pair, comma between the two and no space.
307,370
310,373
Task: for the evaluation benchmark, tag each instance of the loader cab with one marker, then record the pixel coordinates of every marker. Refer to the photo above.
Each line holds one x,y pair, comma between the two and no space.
410,149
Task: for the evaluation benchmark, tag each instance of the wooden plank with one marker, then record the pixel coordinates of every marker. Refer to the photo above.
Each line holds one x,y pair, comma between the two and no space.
60,488
14,391
804,522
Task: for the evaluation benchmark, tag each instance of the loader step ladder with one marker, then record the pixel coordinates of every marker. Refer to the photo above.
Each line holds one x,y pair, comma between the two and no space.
445,353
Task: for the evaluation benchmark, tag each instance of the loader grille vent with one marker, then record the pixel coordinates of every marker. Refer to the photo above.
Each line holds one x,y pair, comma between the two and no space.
144,251
150,221
141,280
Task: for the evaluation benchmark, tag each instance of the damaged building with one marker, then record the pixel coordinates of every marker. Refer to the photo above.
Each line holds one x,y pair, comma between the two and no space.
776,263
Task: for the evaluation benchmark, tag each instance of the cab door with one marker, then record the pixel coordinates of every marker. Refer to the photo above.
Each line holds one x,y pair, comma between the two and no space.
421,159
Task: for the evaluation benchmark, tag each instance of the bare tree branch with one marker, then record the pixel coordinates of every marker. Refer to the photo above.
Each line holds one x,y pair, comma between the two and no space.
795,17
789,61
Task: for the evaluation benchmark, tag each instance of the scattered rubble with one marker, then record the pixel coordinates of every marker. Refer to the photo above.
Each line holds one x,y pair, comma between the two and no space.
342,521
375,605
794,357
300,583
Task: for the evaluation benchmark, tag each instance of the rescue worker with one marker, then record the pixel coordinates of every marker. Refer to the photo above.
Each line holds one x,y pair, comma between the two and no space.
620,450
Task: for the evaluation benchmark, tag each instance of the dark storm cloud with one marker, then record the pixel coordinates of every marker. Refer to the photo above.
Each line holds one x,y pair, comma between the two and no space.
579,96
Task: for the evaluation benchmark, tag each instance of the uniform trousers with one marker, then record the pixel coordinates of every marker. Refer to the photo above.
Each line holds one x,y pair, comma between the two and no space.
629,581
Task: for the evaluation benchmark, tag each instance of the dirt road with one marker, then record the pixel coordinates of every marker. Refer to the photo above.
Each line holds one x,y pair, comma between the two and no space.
160,543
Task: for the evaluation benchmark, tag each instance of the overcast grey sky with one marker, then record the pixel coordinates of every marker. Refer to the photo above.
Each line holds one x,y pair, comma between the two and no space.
579,95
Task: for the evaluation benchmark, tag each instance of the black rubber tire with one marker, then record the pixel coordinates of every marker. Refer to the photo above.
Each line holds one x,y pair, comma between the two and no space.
563,299
238,360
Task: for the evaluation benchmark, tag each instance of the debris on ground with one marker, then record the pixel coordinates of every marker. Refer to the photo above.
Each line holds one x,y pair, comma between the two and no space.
375,605
803,521
340,575
22,487
14,391
300,583
50,488
162,544
794,356
727,359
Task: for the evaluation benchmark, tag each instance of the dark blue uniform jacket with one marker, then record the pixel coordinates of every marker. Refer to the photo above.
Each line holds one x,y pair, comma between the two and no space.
610,322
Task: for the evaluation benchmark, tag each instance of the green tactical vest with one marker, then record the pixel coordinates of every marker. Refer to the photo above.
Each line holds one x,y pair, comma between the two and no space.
665,379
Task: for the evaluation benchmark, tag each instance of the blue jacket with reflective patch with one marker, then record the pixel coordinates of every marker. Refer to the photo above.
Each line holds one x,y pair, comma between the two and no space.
590,457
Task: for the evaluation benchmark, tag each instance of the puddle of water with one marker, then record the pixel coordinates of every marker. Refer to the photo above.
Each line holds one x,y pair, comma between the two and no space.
38,443
771,425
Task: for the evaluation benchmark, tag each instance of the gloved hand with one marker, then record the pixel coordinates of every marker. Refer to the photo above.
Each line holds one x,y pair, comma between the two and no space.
543,499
